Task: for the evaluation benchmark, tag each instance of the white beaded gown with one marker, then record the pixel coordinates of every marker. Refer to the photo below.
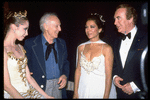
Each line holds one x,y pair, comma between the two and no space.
17,73
92,79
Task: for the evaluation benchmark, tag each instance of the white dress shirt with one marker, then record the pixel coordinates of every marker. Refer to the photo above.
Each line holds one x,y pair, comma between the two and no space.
124,49
125,46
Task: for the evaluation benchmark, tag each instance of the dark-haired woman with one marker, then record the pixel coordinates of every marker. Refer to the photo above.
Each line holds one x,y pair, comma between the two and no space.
93,75
18,83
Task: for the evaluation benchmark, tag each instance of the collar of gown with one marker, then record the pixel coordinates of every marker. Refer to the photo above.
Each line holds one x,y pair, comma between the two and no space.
88,42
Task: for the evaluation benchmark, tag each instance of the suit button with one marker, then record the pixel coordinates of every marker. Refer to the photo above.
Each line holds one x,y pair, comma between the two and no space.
42,86
43,76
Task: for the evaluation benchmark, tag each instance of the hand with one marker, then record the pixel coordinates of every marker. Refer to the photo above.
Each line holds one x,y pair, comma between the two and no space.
62,81
117,81
75,96
49,97
126,88
31,73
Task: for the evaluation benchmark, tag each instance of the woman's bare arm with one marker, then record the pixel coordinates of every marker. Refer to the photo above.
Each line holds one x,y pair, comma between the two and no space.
7,84
34,83
108,69
77,74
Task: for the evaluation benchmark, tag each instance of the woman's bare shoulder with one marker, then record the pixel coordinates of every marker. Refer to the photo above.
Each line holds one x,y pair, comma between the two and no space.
81,47
107,49
107,46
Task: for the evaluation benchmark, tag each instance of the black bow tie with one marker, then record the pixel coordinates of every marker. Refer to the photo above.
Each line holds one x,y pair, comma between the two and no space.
124,36
48,51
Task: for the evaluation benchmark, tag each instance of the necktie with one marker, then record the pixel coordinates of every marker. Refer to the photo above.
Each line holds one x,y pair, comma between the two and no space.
48,51
128,35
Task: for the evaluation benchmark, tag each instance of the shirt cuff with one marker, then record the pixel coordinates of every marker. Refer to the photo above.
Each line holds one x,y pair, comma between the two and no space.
114,77
134,87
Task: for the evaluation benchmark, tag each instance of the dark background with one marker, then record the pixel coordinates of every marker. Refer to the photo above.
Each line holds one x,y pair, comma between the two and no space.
73,17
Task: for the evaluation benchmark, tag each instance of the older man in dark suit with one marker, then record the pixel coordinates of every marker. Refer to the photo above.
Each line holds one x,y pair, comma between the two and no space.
47,57
127,53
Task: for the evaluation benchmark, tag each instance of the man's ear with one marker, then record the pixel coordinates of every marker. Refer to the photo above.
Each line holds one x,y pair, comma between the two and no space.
45,26
131,20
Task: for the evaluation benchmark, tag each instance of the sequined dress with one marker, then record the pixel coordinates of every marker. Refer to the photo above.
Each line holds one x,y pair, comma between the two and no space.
92,79
17,74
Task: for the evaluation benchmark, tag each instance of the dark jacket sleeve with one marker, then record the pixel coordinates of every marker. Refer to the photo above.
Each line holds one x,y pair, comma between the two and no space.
28,50
65,62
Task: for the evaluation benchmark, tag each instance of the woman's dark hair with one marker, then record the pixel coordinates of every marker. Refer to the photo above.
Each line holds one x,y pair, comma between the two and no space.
97,19
14,18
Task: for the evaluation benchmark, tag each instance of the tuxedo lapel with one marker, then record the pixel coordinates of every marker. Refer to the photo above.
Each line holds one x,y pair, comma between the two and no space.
134,47
38,52
117,49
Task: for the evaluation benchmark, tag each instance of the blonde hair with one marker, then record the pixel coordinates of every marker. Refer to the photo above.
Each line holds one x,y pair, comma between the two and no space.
11,18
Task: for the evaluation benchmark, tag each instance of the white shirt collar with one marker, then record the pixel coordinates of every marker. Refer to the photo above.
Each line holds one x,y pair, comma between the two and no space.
133,32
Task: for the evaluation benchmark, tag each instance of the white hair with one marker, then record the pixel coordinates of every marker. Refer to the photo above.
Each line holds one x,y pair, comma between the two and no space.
44,19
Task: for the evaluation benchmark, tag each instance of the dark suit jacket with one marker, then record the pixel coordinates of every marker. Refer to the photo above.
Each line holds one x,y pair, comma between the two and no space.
131,71
36,63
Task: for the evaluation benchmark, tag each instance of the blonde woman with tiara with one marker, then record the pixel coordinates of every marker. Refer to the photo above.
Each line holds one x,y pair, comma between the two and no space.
18,83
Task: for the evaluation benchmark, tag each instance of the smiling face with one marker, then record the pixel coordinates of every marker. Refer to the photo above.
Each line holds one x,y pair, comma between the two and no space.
22,30
92,30
52,27
122,24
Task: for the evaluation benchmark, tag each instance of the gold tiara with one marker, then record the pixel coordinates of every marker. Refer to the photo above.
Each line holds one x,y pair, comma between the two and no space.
20,15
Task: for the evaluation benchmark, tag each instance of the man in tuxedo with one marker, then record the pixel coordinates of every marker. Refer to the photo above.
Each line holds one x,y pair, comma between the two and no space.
47,57
127,53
